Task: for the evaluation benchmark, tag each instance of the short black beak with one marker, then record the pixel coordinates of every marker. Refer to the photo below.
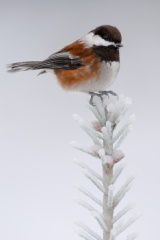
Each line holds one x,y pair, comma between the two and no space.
119,45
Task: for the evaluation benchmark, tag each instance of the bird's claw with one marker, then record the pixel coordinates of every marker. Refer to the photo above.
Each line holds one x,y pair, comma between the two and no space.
108,92
100,94
92,96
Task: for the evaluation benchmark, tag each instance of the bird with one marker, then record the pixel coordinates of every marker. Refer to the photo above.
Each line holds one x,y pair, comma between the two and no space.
88,65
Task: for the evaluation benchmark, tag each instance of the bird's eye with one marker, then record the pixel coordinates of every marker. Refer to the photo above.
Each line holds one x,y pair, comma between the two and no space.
106,38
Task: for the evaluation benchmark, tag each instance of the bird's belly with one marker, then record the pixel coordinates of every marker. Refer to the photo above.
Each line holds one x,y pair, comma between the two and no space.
102,81
93,80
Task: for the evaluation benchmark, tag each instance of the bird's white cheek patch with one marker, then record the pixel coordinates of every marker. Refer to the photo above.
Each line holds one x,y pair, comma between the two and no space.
98,41
87,39
90,39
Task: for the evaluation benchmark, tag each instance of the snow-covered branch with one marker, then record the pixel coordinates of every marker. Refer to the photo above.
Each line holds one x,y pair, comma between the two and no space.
107,138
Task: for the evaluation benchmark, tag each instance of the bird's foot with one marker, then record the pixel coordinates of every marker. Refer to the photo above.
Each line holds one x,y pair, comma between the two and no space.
93,94
100,94
107,93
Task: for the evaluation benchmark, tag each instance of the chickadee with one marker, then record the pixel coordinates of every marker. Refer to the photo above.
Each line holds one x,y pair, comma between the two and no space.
89,64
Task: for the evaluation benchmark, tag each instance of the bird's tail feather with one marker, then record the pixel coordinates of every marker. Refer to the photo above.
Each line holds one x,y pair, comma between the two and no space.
24,66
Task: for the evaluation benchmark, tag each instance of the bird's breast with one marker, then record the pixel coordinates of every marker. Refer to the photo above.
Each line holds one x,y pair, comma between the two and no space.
108,73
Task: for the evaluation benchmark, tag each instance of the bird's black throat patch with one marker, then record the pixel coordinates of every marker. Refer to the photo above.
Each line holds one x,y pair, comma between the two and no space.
109,53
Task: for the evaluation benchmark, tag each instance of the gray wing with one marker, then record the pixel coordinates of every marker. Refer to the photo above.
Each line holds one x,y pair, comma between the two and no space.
59,60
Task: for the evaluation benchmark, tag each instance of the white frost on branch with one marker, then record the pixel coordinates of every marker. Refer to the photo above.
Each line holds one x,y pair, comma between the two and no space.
123,129
117,172
88,127
97,215
84,234
88,230
94,180
117,108
127,130
121,226
85,166
123,190
107,137
110,196
98,110
100,220
88,194
122,212
83,149
86,205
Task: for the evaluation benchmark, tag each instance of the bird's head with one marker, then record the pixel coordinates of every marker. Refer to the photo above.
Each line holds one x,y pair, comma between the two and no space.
105,35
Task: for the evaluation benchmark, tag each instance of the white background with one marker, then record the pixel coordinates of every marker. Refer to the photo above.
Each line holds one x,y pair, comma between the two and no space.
37,174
